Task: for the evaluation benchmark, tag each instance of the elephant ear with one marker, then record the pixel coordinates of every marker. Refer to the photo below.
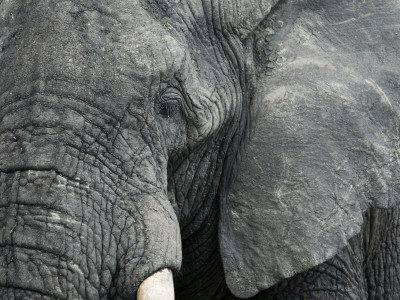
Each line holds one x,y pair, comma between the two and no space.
323,149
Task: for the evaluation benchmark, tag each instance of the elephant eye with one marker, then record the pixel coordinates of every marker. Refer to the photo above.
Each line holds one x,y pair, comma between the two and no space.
169,108
169,104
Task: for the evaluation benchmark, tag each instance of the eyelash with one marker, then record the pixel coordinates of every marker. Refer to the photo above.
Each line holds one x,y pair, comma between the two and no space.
169,108
169,103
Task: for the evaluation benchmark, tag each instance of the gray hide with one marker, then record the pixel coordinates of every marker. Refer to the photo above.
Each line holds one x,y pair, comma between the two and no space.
325,143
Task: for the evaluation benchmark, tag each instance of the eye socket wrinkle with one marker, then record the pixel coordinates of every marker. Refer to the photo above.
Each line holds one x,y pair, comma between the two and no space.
169,102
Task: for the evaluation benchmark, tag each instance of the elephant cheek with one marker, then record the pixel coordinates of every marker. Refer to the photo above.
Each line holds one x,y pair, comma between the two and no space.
160,234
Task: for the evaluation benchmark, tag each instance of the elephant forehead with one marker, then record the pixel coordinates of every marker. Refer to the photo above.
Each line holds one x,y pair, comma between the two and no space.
152,51
115,46
149,44
136,40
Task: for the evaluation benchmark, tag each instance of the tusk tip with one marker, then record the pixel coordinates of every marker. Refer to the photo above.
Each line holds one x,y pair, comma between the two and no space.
160,285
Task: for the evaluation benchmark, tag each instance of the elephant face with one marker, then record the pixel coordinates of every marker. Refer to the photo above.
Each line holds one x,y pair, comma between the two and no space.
120,129
115,128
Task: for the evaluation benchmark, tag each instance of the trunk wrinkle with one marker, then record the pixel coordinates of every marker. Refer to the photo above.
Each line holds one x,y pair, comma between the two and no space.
12,170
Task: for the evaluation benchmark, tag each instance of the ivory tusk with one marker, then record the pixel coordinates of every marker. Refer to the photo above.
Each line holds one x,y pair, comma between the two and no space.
158,286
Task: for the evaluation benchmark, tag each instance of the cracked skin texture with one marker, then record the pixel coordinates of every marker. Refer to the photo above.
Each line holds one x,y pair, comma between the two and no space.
113,137
120,124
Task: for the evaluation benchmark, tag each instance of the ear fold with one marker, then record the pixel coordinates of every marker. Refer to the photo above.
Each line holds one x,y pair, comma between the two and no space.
323,150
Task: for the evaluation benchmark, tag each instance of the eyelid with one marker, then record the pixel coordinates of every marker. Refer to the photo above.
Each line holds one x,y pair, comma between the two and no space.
170,94
169,102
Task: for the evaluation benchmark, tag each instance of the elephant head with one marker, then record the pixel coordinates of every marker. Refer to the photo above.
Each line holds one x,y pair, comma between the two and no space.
120,121
121,132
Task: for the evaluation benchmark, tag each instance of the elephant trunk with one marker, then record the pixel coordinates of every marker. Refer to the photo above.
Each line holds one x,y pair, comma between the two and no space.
74,223
58,240
51,240
84,211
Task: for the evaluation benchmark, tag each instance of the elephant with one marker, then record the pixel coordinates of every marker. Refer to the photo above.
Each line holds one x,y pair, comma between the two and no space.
221,149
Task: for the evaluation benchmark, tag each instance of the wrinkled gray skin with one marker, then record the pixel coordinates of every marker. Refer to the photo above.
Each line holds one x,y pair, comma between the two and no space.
234,145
